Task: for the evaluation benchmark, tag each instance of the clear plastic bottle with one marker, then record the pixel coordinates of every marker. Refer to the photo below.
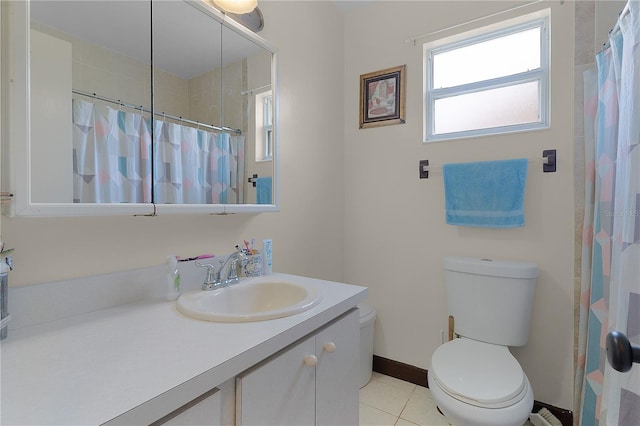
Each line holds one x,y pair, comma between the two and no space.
173,278
268,257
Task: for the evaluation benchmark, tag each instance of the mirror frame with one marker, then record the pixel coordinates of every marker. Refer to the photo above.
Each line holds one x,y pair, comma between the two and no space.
16,147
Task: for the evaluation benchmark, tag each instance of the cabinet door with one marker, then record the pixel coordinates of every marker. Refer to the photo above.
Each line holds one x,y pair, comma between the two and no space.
280,391
337,349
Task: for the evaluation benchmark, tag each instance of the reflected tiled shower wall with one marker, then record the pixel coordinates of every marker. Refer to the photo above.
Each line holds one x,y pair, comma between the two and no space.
584,59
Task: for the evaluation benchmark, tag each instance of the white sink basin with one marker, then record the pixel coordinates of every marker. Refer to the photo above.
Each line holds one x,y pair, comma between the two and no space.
250,300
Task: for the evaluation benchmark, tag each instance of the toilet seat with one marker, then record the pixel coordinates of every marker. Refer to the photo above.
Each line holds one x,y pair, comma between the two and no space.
477,373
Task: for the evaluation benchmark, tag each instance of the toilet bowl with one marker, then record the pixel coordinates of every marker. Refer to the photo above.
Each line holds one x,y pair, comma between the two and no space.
477,383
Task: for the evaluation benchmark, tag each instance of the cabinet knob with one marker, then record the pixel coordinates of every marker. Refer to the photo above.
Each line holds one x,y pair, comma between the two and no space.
310,360
329,347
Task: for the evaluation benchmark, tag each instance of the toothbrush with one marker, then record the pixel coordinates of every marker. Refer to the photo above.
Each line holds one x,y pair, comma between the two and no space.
202,256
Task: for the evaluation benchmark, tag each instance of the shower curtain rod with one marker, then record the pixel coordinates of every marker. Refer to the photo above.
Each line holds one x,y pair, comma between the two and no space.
159,114
621,15
256,90
616,27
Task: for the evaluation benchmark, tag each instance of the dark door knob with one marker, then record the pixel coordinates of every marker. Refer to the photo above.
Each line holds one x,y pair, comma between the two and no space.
620,353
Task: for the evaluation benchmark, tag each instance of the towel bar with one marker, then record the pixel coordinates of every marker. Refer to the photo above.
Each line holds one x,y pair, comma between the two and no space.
548,162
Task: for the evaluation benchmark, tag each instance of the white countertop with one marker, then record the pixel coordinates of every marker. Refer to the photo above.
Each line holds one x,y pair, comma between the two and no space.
93,367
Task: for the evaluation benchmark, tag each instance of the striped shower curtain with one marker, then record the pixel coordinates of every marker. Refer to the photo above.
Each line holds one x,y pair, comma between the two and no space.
112,160
610,294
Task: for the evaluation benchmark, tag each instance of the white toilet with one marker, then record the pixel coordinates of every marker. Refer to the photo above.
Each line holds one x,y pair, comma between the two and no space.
474,379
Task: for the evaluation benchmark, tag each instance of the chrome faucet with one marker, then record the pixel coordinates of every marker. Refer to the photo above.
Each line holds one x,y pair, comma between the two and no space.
227,275
229,271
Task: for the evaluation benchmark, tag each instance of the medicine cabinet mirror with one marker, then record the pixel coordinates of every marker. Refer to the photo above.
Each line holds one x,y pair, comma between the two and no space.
136,107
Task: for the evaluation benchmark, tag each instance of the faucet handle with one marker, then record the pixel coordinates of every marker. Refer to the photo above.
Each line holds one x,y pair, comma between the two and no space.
233,270
210,281
204,265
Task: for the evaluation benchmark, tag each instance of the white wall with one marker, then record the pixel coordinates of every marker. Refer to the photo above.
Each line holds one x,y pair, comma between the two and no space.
395,233
52,166
307,233
606,14
353,208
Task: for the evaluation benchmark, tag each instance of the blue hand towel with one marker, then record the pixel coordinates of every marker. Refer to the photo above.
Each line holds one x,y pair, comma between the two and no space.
263,190
486,194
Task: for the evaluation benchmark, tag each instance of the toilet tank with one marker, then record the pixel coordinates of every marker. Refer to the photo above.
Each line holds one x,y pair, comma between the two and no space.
490,300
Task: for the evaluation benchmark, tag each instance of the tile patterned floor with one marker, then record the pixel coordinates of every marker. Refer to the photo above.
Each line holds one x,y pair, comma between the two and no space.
387,401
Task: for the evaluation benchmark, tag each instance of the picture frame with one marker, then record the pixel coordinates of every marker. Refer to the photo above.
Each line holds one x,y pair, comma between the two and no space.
382,97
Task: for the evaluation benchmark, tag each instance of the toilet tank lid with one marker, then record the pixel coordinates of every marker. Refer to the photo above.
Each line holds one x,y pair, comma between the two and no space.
496,268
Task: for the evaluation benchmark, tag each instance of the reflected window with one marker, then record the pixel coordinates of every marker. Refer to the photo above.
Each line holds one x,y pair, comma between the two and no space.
264,126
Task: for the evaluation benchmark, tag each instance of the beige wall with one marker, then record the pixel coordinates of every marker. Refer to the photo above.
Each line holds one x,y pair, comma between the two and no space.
307,232
353,208
109,74
395,234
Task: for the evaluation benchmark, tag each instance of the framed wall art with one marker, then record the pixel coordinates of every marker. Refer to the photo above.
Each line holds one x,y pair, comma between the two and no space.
382,97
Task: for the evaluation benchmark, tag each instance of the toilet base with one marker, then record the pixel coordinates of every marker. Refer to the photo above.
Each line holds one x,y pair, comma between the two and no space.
462,414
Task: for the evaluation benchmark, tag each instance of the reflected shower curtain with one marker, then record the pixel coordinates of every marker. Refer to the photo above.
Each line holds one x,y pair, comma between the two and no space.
197,167
111,155
610,294
112,161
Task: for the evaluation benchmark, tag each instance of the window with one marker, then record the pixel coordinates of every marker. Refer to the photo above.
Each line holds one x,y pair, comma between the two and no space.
492,83
267,109
264,126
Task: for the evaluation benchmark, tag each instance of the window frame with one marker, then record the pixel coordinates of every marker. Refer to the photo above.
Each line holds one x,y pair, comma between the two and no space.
541,75
264,131
267,113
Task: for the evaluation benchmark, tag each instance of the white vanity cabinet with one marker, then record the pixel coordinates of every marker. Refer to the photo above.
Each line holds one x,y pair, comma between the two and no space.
142,362
312,382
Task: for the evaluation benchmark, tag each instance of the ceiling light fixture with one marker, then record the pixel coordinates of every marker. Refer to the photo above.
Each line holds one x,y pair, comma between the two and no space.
237,6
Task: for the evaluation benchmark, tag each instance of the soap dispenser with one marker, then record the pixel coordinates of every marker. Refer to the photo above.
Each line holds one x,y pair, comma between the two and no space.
173,278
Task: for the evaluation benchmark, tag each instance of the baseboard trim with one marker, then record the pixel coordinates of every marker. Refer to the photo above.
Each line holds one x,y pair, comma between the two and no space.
418,376
400,370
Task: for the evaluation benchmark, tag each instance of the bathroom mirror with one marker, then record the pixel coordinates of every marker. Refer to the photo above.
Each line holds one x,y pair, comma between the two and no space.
136,108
